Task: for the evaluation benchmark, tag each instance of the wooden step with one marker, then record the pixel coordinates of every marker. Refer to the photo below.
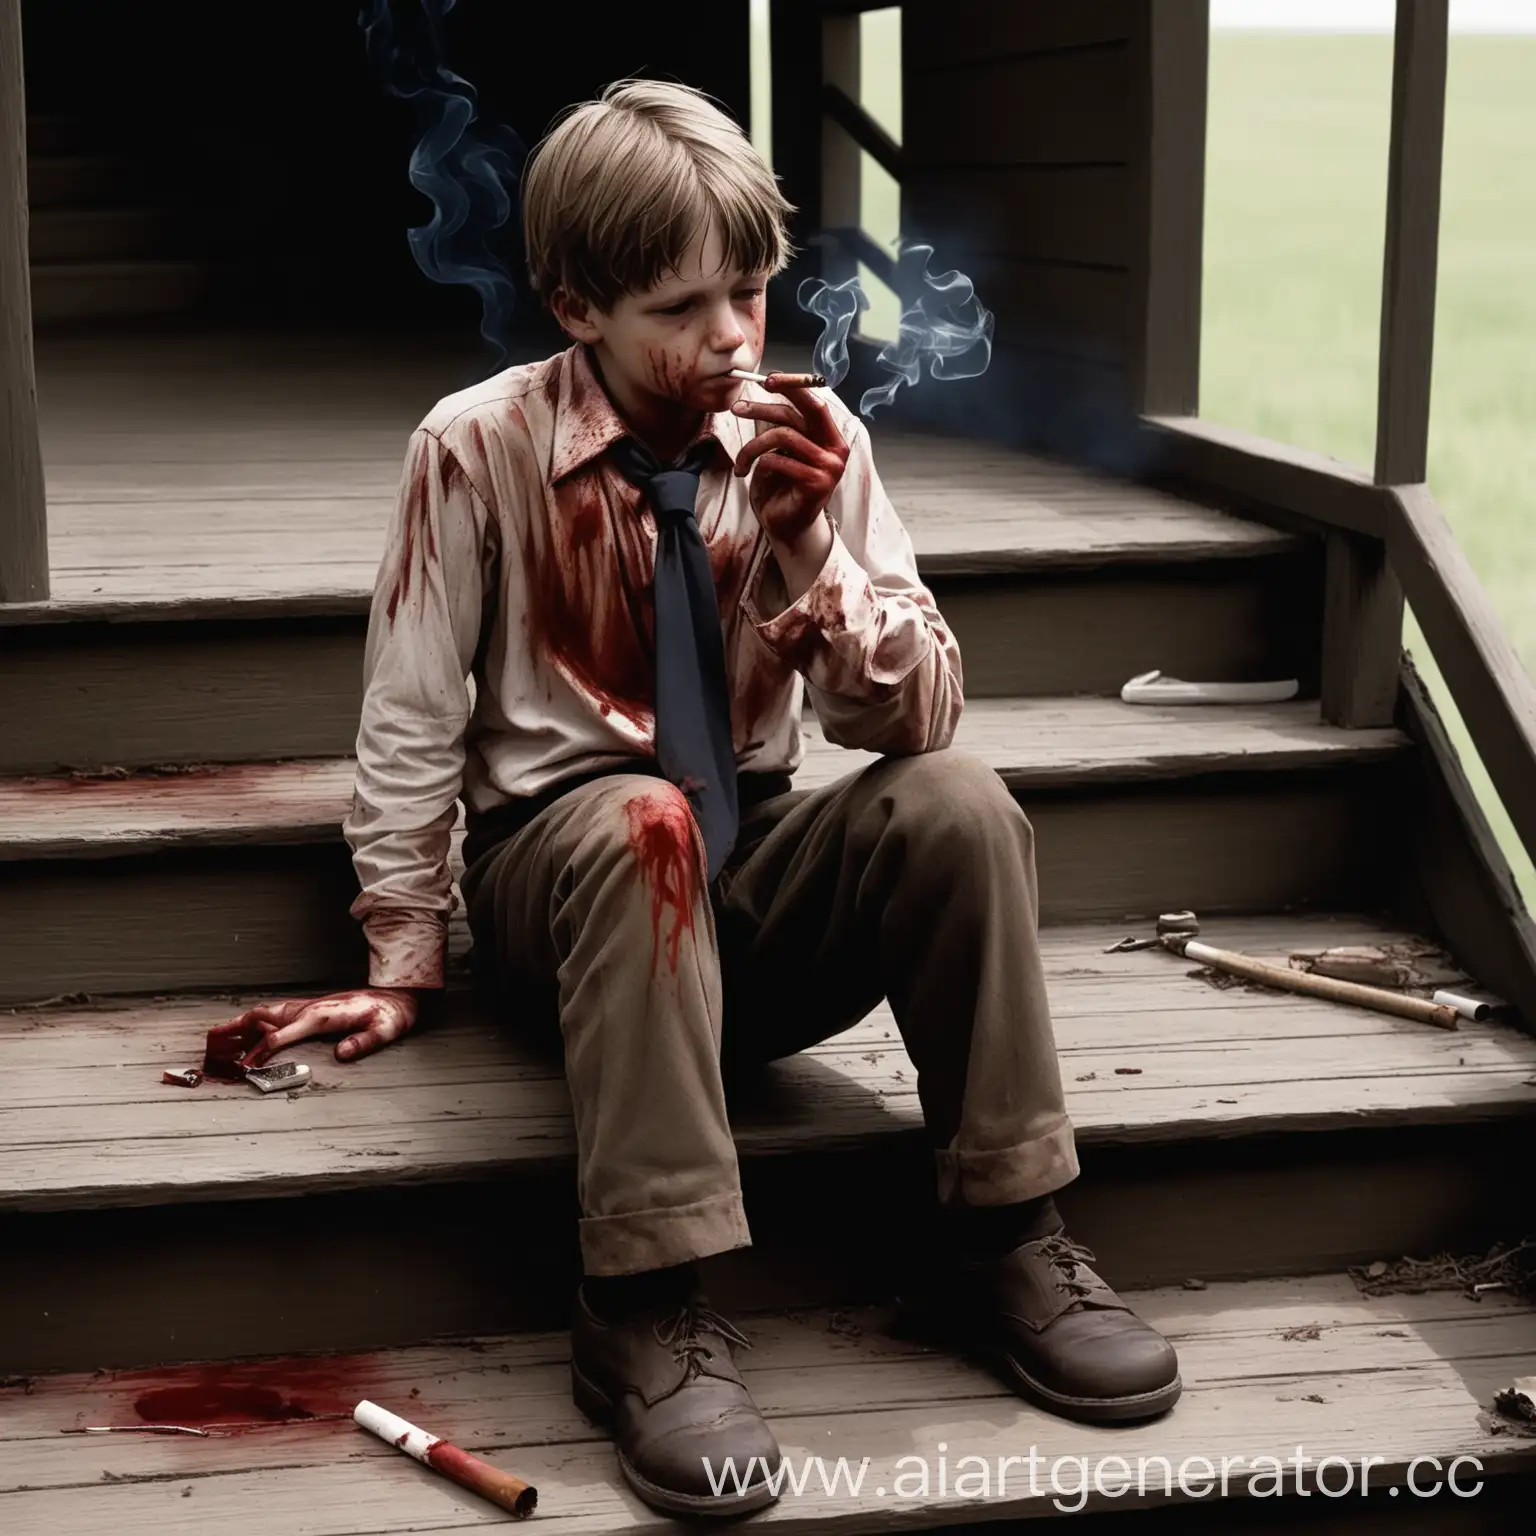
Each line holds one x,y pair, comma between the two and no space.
95,235
90,290
236,875
55,133
80,180
1273,1371
215,535
1224,1131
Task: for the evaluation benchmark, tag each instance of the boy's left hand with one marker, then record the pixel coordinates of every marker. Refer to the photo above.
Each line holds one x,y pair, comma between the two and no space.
800,461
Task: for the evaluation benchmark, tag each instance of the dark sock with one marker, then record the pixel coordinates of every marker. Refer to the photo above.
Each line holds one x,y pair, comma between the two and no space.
615,1297
987,1231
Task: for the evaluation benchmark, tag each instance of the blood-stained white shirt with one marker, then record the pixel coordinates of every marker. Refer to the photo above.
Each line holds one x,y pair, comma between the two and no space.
520,557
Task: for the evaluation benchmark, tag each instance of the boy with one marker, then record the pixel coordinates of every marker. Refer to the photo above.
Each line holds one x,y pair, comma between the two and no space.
642,562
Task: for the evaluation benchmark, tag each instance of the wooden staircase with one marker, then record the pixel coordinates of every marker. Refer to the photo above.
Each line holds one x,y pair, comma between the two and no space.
176,773
101,250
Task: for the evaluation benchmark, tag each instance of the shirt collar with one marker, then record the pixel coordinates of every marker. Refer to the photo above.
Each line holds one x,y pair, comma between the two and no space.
587,423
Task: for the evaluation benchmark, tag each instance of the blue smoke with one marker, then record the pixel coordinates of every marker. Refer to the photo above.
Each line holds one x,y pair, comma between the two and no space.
470,171
955,348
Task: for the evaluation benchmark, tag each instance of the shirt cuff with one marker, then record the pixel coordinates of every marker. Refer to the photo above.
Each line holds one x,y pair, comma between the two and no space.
841,599
406,949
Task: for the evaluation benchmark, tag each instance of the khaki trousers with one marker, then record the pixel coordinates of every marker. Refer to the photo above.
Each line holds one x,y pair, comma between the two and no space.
912,879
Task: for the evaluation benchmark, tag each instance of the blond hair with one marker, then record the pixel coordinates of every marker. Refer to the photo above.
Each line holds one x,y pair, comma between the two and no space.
617,190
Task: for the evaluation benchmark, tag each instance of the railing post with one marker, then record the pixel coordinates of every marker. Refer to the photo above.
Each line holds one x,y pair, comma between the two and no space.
841,166
1176,42
1419,59
23,510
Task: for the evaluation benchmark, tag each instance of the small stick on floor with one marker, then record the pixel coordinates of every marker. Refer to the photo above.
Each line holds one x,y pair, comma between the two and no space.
1330,987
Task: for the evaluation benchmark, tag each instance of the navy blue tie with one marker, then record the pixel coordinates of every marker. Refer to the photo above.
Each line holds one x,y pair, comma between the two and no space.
693,703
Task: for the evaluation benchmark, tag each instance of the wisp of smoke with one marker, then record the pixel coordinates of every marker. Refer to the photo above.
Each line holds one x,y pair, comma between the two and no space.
955,348
469,170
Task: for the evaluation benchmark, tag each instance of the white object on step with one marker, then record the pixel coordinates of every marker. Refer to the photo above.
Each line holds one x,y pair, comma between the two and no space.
1154,688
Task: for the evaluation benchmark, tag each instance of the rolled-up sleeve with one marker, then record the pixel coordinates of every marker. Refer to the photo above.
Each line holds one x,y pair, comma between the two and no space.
436,580
882,669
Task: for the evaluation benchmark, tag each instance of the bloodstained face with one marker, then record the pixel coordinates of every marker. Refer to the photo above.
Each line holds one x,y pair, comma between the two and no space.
663,354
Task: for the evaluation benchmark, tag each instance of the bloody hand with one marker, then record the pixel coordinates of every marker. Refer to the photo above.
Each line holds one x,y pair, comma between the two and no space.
799,461
369,1017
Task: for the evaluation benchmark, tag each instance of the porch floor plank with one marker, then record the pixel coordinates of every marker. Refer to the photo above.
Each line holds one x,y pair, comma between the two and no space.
1032,743
1150,1053
245,467
1391,1378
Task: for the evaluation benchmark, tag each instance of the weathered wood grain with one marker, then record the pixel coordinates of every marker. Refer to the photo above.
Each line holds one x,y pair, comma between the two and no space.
91,694
1065,108
23,510
1463,876
1406,362
1031,743
1077,213
1362,632
1259,472
1493,692
1383,1380
228,479
468,1100
1172,63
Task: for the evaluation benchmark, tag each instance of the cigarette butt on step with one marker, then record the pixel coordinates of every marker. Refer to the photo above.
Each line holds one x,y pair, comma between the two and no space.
511,1493
1379,998
1475,1008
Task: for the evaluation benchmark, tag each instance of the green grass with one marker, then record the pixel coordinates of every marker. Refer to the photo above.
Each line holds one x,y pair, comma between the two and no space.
1295,219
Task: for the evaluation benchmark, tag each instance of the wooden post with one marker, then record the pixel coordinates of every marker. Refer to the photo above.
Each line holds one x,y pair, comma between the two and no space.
794,30
23,511
841,164
1413,241
1175,45
1362,632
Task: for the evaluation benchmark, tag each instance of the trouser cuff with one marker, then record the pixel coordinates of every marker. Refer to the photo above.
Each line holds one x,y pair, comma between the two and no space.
1004,1175
622,1245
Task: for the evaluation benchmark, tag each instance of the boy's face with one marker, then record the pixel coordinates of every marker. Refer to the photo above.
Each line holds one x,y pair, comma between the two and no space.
664,353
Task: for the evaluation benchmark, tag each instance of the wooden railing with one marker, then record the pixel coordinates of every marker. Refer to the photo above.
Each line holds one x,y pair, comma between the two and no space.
1387,539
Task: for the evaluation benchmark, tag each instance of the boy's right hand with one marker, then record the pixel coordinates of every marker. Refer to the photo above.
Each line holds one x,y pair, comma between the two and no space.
369,1018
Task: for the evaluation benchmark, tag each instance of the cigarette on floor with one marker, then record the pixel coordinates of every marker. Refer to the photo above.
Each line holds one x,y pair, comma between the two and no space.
1155,688
786,380
1474,1008
511,1493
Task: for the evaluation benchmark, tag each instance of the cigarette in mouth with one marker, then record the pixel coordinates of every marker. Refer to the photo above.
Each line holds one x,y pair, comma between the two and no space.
786,380
511,1493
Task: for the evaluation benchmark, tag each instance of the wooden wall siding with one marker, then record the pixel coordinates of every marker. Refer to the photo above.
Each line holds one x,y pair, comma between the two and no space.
1070,310
1023,134
1067,213
937,36
1071,107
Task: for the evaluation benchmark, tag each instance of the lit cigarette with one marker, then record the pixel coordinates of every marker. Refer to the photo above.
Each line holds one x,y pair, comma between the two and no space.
786,380
511,1493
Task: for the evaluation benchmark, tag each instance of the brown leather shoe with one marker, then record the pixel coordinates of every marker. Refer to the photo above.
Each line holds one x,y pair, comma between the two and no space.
665,1383
1062,1337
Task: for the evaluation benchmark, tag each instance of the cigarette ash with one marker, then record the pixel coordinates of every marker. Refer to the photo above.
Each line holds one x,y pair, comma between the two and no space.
1507,1268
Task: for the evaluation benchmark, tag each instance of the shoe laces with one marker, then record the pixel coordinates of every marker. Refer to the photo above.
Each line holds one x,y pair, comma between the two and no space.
1065,1257
684,1330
